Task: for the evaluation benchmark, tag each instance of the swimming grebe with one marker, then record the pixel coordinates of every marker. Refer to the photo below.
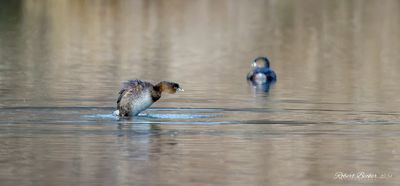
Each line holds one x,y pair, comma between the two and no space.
136,96
261,72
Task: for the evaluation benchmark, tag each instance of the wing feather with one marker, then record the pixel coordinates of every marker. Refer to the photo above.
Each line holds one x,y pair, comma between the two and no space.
130,90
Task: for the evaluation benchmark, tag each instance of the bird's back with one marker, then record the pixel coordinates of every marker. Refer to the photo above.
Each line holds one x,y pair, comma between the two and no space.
134,97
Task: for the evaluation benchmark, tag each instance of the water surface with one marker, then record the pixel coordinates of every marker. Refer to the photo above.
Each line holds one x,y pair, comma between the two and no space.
334,110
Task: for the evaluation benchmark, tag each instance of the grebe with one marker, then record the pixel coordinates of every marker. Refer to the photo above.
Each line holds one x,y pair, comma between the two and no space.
137,95
261,72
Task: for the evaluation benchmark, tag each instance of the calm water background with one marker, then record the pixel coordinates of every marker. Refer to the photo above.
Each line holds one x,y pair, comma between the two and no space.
335,107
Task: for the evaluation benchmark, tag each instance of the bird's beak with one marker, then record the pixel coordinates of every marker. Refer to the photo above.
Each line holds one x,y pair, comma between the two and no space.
254,65
180,90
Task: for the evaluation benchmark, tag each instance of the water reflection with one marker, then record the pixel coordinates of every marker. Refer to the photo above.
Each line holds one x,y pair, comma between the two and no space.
73,51
263,87
335,107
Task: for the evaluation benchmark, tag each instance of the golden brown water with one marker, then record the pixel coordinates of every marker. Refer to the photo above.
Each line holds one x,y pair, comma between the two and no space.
331,119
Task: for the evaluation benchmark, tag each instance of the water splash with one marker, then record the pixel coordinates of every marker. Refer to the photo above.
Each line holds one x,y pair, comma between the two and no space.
174,116
100,116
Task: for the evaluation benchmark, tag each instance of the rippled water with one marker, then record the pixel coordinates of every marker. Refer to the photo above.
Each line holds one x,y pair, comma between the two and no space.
333,113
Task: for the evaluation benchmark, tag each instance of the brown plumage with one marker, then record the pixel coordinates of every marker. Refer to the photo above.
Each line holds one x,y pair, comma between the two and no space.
136,95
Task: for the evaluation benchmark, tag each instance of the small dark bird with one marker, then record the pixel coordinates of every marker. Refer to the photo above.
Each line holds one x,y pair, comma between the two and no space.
261,72
136,96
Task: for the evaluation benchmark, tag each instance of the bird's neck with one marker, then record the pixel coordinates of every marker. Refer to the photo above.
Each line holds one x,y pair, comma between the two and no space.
156,92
